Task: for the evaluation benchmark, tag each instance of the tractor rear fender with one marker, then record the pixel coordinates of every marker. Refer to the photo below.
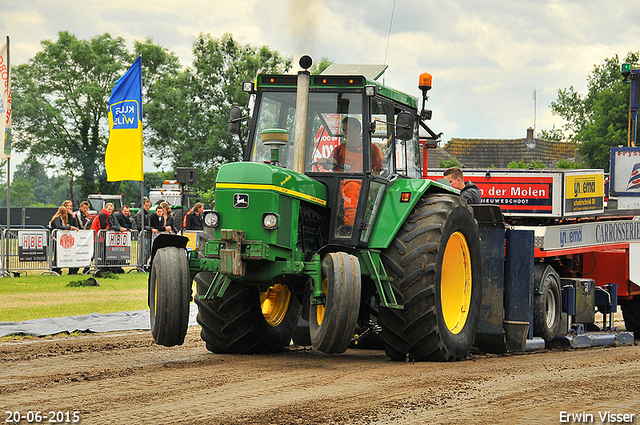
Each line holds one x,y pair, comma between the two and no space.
396,207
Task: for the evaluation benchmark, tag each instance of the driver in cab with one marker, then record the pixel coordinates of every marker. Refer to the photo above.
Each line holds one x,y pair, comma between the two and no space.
347,157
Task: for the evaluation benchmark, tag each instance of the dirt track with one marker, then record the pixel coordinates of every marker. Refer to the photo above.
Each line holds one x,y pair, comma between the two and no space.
126,378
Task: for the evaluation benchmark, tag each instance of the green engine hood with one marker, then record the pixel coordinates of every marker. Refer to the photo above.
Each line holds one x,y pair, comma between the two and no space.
253,175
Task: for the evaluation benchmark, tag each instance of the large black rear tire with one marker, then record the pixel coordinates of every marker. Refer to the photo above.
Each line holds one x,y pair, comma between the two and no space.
169,296
435,262
246,321
332,325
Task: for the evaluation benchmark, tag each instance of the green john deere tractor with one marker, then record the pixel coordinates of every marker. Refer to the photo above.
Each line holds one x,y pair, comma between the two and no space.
328,223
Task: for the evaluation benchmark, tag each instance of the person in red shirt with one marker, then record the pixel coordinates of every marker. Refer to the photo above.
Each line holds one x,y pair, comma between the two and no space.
347,157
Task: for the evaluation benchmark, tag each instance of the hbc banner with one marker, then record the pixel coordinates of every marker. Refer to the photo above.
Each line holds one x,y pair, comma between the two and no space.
118,246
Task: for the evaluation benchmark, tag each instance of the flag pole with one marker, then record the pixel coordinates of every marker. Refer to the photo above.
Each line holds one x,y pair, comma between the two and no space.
4,136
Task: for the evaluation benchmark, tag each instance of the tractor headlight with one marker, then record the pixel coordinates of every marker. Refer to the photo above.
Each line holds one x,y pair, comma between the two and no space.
270,221
212,219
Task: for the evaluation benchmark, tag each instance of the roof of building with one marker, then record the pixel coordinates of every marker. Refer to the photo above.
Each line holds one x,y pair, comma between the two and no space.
498,153
435,155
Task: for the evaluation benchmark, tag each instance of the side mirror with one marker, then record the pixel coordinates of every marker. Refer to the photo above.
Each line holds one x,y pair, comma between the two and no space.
235,116
404,126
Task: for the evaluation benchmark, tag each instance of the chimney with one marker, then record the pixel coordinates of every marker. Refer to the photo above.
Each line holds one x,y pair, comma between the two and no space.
529,135
530,142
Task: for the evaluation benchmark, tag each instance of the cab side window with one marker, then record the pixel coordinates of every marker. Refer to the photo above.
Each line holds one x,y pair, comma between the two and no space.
383,135
409,154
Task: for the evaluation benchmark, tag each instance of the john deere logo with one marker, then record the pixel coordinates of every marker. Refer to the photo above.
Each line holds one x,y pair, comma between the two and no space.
241,200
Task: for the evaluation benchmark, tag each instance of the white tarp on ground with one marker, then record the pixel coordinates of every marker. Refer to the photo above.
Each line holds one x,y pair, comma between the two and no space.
94,322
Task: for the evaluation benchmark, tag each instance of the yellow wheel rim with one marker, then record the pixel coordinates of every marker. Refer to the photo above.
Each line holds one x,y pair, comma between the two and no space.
275,303
456,282
321,307
155,297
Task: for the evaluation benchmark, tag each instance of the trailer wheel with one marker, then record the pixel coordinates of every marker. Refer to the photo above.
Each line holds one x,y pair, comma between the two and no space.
547,303
332,325
169,296
245,320
631,315
435,262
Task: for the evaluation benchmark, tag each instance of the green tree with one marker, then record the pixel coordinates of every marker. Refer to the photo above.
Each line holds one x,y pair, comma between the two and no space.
60,100
530,165
42,185
318,67
565,164
448,163
555,134
189,112
597,120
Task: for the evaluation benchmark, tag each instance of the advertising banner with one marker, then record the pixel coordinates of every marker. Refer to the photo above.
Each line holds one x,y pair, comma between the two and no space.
583,192
74,248
32,245
516,192
118,246
594,233
625,172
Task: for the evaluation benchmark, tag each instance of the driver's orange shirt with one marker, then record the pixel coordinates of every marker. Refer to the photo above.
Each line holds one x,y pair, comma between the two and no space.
351,158
350,189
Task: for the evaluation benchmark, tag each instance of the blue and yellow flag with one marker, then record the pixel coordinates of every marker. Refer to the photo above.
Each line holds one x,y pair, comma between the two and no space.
123,158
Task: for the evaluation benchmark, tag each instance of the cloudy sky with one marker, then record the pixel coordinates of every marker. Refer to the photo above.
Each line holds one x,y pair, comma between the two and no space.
487,57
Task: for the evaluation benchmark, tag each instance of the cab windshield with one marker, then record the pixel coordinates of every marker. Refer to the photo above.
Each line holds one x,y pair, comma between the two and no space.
335,119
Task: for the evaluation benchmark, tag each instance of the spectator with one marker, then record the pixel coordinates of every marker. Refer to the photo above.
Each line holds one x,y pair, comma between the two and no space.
119,220
71,218
185,216
162,221
468,191
143,219
169,220
74,223
194,218
101,222
81,216
60,221
143,224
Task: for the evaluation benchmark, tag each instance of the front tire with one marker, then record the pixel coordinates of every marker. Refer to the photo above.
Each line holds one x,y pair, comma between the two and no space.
332,325
435,262
169,296
245,320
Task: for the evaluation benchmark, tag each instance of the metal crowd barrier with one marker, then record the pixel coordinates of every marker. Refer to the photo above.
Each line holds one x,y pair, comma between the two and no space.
25,248
35,248
118,250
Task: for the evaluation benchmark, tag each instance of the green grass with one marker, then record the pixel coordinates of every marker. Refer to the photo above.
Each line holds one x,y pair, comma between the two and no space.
38,297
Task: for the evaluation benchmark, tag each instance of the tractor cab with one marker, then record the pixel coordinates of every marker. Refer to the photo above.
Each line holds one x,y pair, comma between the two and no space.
351,143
